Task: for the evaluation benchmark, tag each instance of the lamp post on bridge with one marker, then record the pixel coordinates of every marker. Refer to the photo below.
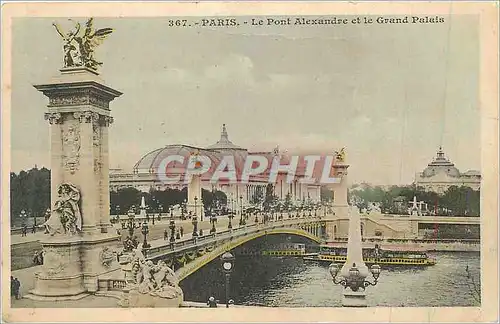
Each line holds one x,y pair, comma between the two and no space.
172,232
47,216
230,216
195,226
145,232
227,266
130,242
213,220
354,272
195,206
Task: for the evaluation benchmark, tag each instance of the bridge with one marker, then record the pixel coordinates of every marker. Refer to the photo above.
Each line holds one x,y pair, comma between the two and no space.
187,256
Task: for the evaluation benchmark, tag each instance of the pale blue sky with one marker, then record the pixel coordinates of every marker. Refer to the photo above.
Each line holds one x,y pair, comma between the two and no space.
390,93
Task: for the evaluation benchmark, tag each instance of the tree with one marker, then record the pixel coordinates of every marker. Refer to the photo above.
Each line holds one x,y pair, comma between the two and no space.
258,196
460,201
29,191
210,197
288,201
270,198
125,198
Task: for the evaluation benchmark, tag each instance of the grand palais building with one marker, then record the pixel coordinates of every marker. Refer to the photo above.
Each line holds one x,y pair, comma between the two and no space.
145,177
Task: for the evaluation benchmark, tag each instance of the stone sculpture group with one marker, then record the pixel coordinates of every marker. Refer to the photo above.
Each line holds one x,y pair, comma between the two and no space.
79,47
66,216
153,279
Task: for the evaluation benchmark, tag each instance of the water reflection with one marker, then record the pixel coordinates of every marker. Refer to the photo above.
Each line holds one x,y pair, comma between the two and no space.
291,282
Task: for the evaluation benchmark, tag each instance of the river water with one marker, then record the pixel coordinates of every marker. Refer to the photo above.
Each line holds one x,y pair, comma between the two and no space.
292,282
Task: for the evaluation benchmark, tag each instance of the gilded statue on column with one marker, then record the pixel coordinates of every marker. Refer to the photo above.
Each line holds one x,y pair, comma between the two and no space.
340,155
79,45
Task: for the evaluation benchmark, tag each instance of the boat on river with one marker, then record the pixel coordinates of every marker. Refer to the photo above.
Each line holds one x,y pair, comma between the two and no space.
384,255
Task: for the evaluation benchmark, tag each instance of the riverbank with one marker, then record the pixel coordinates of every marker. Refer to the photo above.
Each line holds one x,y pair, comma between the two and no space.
418,244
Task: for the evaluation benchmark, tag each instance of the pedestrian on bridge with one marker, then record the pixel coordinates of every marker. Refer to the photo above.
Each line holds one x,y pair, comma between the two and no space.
212,303
33,229
182,231
165,234
24,230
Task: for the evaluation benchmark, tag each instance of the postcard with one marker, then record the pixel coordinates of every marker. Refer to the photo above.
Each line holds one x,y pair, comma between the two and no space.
281,162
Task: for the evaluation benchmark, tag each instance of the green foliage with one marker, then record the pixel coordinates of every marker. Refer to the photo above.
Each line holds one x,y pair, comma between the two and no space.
458,201
124,199
288,201
258,196
127,197
29,191
210,197
270,198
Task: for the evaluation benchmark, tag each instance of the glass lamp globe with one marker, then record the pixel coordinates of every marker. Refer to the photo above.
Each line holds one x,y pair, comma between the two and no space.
375,270
227,266
334,269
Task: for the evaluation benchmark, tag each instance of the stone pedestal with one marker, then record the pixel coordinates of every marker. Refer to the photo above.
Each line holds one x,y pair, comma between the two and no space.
136,299
79,117
354,298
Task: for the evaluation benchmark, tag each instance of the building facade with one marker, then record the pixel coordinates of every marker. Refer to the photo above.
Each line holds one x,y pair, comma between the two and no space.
441,174
146,174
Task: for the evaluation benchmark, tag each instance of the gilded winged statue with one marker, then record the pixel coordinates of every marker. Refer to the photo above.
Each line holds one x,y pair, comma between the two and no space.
340,155
79,45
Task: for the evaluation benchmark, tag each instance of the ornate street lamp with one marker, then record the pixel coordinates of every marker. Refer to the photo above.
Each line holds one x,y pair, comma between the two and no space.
227,260
195,225
241,205
242,219
145,232
354,280
353,273
172,231
195,206
213,220
46,217
183,210
230,216
130,243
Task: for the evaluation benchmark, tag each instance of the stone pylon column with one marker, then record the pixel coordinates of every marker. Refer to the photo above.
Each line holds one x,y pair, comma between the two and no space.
340,203
77,249
354,257
194,191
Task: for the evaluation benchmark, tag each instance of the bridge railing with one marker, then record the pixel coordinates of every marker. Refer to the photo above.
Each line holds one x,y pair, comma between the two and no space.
225,234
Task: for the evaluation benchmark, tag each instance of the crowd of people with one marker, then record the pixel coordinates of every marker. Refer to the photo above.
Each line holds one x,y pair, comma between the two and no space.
24,230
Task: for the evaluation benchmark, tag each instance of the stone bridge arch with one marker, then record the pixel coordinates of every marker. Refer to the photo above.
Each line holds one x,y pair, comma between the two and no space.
195,260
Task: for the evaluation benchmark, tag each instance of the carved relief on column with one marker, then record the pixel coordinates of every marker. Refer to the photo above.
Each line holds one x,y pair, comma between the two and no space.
71,147
96,143
86,116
